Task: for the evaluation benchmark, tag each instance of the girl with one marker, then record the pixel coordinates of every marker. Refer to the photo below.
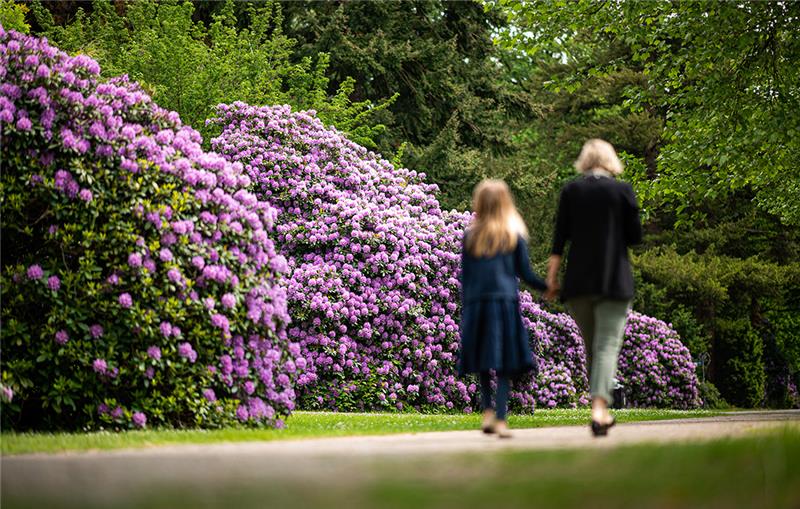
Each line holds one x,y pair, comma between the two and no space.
493,336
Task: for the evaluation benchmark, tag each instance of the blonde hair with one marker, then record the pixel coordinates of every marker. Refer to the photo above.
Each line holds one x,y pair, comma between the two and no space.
497,223
597,153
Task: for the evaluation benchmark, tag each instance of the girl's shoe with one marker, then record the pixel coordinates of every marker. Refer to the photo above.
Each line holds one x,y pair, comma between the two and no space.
601,430
501,428
489,421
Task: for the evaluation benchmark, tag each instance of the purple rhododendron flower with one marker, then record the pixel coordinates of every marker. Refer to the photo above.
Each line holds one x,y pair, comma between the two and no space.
228,300
100,366
166,329
139,419
186,351
174,275
242,413
85,195
154,353
220,321
125,300
209,395
35,272
54,283
135,260
96,330
62,337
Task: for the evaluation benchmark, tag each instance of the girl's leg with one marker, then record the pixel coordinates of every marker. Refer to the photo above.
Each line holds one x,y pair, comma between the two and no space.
489,419
486,391
503,388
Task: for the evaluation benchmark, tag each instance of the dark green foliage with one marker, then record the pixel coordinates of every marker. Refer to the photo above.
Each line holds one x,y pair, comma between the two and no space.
711,397
456,105
719,305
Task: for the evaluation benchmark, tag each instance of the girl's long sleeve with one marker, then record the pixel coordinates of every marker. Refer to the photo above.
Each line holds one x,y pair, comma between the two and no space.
523,267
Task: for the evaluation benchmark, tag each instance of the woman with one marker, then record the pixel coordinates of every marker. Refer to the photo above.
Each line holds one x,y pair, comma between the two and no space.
493,337
599,217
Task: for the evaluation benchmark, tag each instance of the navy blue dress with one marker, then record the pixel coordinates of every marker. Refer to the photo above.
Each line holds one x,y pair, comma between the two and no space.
493,336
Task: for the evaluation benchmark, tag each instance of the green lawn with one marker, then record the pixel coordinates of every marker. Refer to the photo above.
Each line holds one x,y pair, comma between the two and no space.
758,471
312,424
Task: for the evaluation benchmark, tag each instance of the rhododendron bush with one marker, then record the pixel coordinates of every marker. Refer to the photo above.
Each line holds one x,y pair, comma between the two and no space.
373,287
140,284
655,367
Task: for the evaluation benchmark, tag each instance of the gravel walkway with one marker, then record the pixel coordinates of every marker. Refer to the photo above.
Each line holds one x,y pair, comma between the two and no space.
109,474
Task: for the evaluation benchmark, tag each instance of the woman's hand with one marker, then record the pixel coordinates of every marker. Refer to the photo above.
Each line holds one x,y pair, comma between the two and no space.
552,277
552,290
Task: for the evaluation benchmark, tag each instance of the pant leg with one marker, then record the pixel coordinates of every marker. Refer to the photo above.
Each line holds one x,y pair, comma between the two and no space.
486,390
503,388
582,311
609,318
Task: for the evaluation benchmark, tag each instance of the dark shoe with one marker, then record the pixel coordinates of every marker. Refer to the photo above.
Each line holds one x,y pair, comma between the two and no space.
601,430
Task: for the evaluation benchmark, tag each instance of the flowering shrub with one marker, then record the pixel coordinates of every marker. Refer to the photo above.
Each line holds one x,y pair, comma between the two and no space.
140,285
655,367
373,289
374,261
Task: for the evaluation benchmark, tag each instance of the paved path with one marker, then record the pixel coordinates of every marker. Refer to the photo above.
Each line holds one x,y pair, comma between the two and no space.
113,473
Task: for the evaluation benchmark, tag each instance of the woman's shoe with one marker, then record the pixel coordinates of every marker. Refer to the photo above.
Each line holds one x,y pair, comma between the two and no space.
601,430
501,428
489,421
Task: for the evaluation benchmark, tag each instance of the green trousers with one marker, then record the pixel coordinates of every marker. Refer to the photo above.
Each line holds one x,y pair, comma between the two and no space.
602,324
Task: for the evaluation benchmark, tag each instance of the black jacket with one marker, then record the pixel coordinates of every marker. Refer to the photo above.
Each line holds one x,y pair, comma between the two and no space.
599,216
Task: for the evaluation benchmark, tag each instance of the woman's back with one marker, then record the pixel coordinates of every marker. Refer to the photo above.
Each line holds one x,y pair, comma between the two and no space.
599,216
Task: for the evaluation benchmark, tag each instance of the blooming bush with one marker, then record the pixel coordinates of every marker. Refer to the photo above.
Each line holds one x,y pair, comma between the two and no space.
374,262
373,287
655,367
140,285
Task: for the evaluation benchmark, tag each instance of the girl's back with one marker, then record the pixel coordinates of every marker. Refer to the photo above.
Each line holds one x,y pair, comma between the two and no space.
489,277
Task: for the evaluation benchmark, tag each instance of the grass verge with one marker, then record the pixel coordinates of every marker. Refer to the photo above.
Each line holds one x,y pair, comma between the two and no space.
311,425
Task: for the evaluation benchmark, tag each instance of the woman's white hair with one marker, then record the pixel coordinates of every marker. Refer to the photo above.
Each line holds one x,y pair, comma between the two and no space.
597,153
